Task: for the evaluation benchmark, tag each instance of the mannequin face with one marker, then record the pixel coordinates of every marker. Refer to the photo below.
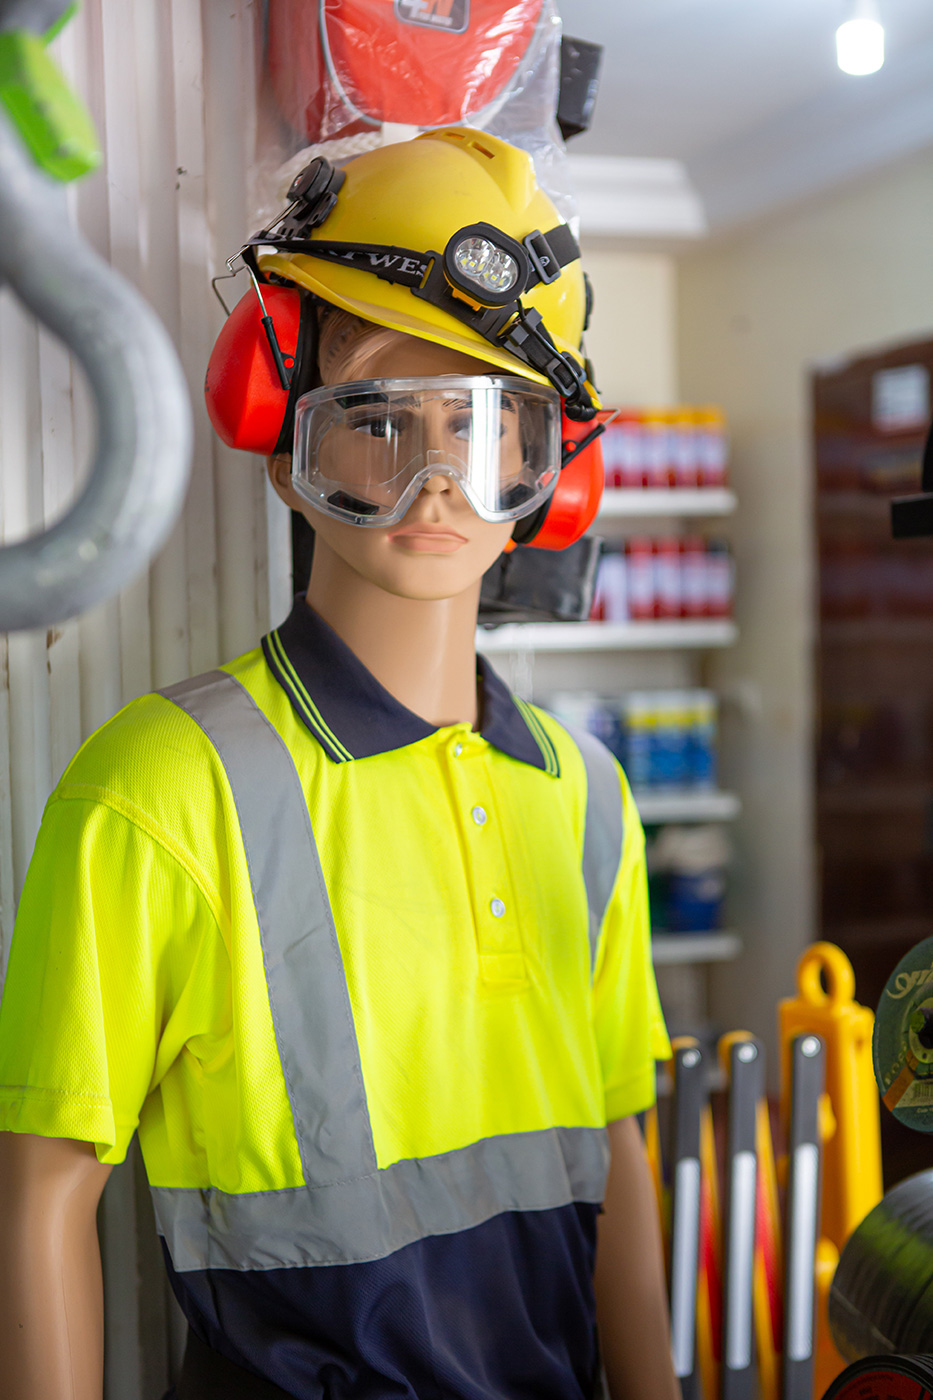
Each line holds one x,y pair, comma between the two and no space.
441,547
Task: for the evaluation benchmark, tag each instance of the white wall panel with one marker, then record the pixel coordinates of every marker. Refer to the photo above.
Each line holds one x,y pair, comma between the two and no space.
171,86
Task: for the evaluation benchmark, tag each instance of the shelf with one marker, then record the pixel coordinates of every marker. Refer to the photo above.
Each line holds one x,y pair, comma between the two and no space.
687,806
670,948
607,636
619,504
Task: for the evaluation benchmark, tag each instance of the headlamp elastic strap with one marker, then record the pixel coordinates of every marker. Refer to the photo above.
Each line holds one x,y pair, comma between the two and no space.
499,318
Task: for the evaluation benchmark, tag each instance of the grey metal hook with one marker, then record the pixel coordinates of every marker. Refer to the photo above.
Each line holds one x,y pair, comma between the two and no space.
144,430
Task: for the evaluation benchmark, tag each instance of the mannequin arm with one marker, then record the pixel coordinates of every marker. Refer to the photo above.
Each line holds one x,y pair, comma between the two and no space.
631,1302
51,1296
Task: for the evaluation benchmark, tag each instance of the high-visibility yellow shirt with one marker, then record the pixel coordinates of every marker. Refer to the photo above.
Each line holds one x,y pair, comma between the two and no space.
483,1013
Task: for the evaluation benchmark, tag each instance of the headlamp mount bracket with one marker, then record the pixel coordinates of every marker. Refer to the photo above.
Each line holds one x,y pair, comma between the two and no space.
541,256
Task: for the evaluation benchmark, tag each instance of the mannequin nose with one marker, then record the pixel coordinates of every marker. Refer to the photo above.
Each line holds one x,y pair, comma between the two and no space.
436,484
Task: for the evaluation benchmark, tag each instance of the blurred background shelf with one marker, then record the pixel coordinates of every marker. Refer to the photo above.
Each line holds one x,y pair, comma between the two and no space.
687,806
607,636
620,504
670,948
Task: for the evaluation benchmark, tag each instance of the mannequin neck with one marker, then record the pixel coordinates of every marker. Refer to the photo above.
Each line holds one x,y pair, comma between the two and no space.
422,651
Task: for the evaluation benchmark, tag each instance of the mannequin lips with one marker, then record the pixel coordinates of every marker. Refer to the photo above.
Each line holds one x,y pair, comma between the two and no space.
424,538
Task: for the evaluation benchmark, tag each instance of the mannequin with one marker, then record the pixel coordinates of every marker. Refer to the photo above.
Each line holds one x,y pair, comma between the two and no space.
404,600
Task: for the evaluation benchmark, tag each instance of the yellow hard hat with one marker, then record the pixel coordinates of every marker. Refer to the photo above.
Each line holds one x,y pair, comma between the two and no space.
447,237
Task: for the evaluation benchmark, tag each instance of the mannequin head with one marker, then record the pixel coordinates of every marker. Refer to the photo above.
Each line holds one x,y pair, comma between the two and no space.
441,548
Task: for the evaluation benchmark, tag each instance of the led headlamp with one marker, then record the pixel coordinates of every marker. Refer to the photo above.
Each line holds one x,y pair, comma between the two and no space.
486,266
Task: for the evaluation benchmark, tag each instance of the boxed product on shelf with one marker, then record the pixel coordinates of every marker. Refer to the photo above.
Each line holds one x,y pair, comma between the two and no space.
665,739
659,448
687,878
671,577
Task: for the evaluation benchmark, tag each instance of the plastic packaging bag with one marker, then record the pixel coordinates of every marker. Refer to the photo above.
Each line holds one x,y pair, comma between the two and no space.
344,76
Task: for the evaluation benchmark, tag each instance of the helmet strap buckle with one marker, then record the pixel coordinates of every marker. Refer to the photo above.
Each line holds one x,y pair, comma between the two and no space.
311,197
541,257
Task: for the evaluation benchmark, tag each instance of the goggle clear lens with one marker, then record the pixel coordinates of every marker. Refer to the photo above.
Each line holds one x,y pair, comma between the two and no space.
363,451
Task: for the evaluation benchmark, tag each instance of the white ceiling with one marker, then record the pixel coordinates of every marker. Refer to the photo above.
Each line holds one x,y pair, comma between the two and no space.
747,94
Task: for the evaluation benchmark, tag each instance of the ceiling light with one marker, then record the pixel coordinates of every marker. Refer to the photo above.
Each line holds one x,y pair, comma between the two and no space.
860,40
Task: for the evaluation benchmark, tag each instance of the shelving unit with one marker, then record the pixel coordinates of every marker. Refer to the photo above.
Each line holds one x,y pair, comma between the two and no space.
595,645
607,636
670,948
679,502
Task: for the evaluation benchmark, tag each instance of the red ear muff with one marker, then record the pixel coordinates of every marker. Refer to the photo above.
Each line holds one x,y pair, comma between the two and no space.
245,398
571,508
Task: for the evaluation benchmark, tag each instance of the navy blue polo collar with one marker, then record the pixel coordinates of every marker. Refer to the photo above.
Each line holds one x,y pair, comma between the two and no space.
352,716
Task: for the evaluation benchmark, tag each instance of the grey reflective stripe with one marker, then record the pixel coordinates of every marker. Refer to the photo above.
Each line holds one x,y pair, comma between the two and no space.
304,970
605,832
356,1221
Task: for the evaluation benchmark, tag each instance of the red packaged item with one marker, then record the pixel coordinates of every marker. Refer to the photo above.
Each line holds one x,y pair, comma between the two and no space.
639,560
719,579
693,576
668,595
349,65
712,448
656,442
684,449
630,450
612,465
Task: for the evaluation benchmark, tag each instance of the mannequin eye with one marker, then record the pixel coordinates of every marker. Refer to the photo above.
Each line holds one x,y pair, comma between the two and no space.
374,423
461,426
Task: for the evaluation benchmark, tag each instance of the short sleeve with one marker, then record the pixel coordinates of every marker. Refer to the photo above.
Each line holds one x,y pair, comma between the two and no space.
99,977
630,1029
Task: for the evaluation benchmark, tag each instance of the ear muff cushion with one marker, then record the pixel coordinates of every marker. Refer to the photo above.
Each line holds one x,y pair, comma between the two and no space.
245,400
571,509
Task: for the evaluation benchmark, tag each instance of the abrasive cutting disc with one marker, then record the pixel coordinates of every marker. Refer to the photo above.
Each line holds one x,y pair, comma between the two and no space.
885,1378
902,1043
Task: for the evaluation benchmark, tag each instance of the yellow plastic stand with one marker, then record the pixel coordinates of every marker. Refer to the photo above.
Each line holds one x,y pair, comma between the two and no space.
825,1006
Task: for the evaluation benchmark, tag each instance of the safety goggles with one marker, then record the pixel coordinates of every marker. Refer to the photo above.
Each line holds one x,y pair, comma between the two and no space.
363,451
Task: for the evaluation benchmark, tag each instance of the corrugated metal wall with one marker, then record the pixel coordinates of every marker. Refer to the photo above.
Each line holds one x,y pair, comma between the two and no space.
171,85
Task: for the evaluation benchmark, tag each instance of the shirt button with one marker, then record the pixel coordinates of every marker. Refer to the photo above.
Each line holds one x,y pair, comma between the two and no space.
479,816
458,750
497,907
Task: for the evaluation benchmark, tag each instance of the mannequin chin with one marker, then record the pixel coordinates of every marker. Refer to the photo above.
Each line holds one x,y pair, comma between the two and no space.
441,548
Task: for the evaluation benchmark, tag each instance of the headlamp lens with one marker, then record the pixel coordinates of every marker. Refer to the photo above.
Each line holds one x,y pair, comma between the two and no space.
482,262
